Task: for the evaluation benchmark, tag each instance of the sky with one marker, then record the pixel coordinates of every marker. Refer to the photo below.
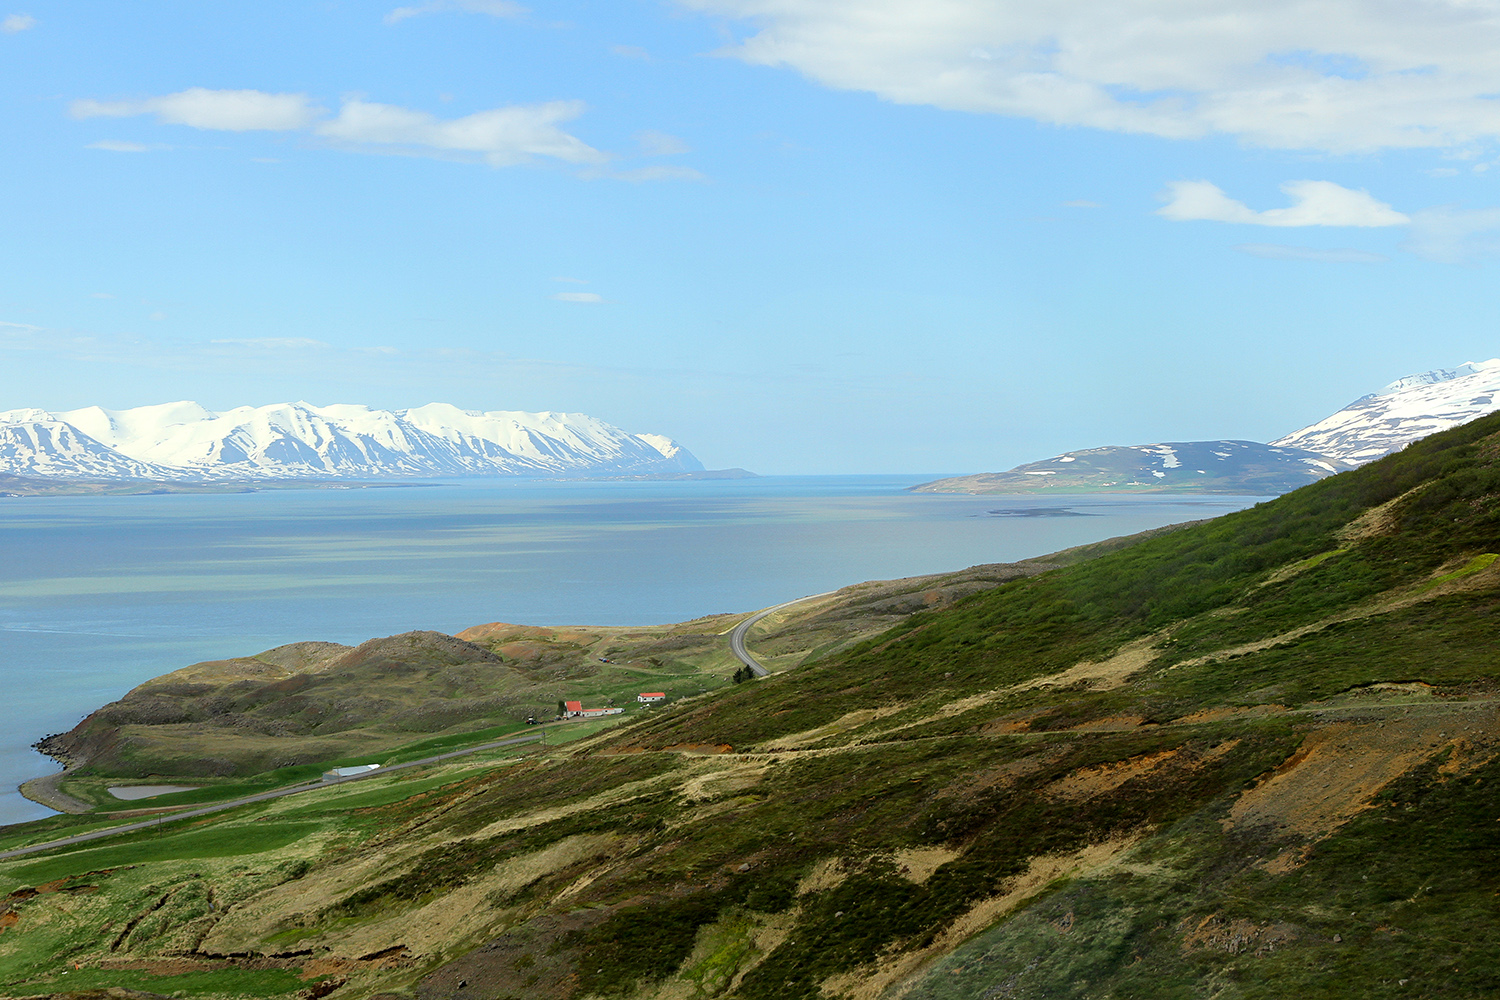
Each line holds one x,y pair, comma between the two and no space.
798,236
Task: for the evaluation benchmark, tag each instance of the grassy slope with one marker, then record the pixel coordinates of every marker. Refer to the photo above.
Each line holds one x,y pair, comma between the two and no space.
1253,758
243,725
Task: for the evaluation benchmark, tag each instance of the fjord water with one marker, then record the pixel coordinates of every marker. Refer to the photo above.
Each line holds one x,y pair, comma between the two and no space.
100,593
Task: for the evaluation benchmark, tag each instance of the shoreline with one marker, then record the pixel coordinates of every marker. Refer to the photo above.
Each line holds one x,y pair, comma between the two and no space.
44,792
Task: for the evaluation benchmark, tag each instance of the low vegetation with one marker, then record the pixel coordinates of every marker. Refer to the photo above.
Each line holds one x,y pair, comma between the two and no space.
1255,757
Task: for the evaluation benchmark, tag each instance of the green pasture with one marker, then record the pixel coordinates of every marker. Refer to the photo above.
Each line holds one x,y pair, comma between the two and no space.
216,840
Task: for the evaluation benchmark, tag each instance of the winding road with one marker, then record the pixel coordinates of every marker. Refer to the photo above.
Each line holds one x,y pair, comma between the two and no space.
737,637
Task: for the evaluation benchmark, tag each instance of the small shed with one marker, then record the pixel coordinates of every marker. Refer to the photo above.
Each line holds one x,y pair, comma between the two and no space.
647,697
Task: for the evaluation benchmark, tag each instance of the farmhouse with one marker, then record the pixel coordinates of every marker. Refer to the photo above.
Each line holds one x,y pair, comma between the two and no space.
650,696
575,710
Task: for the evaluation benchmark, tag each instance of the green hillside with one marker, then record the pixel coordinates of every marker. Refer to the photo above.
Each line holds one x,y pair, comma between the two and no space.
1256,757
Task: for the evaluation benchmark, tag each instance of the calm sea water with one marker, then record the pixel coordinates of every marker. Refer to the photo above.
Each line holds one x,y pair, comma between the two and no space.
99,594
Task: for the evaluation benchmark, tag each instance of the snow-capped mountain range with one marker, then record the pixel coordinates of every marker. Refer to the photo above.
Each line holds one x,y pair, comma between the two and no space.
1407,409
183,442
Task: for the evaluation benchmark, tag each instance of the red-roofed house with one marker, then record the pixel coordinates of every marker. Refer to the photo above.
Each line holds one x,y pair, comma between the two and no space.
572,709
650,696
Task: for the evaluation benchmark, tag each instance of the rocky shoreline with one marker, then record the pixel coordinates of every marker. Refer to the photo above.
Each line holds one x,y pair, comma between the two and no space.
43,791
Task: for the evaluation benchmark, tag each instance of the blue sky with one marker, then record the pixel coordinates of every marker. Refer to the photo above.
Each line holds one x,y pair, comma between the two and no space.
799,236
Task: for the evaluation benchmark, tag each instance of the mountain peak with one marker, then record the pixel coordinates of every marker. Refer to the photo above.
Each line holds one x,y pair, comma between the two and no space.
1439,375
1407,409
185,441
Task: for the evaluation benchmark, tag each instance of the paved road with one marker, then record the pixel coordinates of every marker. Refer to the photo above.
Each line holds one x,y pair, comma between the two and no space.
737,637
275,793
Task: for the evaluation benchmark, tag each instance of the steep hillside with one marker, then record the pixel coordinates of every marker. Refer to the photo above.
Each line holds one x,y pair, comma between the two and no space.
1257,757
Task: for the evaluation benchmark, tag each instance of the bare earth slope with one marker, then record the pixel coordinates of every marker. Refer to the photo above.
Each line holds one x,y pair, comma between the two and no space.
1257,757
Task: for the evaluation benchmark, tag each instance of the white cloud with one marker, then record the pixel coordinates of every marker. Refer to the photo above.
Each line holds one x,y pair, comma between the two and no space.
1338,75
113,146
587,298
655,143
495,8
499,136
1451,235
502,136
223,110
1314,203
15,23
1341,255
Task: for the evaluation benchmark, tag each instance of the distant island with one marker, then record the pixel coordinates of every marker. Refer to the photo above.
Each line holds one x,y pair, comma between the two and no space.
1242,468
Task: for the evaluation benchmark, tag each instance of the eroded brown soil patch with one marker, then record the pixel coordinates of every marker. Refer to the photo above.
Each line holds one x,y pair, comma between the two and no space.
1340,767
1090,782
700,748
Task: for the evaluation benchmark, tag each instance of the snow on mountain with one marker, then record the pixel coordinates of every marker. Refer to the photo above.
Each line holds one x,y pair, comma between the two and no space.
1407,409
1236,467
177,441
36,444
